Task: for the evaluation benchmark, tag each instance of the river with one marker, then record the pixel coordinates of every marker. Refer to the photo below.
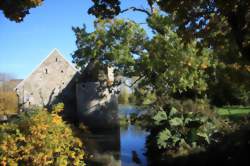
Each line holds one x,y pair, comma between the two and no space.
132,140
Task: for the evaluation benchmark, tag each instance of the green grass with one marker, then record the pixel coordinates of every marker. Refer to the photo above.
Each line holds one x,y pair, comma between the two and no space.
233,111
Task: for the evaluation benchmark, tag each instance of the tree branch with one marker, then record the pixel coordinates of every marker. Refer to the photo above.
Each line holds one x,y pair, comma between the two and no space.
130,86
136,9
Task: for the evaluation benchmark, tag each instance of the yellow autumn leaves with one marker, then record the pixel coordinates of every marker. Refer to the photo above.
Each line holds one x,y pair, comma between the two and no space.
239,67
35,138
199,62
56,119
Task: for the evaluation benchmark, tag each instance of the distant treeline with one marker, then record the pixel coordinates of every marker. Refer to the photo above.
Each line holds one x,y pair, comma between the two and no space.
126,97
8,98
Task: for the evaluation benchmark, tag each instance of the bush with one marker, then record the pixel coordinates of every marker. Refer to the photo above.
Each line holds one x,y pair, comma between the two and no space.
230,88
8,103
188,129
144,97
37,137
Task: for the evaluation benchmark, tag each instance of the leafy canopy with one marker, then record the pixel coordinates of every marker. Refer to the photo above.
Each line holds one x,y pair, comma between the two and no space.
213,22
163,63
114,42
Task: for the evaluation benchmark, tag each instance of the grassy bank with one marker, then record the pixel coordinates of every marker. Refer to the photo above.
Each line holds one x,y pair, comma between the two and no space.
233,111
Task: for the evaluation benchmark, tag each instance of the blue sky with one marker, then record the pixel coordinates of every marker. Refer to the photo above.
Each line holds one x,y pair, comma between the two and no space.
24,45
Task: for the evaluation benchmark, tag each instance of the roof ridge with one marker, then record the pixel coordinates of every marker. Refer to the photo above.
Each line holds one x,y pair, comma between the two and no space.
51,53
55,49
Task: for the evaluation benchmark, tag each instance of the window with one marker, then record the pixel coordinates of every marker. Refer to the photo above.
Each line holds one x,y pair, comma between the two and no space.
46,71
56,59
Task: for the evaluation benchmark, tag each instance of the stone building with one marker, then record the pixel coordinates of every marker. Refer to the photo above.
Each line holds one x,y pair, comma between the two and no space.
57,80
53,80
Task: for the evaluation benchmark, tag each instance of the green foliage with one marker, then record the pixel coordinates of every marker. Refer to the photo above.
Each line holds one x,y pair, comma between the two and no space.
172,66
132,98
144,97
123,121
165,66
123,97
102,9
163,63
181,132
114,42
38,137
58,108
217,22
126,97
213,22
230,85
159,117
163,137
234,111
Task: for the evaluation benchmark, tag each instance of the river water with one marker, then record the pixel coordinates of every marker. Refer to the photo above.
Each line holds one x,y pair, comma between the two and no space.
132,140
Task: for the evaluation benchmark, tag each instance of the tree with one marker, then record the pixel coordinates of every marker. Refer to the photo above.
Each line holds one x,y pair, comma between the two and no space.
222,26
114,42
105,8
213,22
171,66
18,9
163,64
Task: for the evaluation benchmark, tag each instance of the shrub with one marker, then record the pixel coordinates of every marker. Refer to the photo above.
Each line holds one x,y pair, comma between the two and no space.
37,137
178,132
144,97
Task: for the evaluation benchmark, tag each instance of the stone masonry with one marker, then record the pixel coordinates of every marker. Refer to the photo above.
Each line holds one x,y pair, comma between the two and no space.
46,82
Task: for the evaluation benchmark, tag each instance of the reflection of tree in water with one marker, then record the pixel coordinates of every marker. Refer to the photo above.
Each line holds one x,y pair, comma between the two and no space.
135,157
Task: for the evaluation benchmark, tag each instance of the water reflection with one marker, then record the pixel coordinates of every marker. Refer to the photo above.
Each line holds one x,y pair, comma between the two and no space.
133,140
135,157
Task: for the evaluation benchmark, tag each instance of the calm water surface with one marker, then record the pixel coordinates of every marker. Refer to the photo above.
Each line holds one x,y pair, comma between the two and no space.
133,140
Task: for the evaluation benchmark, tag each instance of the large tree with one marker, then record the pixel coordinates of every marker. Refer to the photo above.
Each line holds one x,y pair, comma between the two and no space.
223,26
163,64
213,22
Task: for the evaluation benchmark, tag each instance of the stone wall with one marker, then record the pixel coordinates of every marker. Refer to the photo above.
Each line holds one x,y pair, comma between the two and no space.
99,111
46,82
97,108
